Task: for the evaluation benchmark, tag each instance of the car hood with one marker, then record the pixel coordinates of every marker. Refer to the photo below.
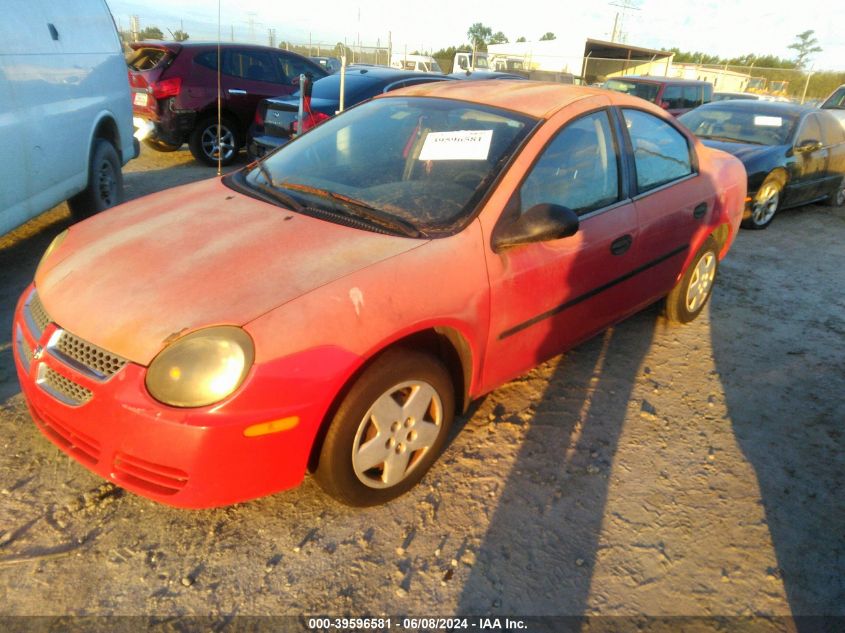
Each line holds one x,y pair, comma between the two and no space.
746,152
133,278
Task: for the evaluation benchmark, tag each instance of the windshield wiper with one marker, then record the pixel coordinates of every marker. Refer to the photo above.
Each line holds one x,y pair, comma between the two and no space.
360,208
727,139
273,191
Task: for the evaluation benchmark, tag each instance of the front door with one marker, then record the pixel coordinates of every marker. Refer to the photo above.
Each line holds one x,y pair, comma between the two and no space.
548,296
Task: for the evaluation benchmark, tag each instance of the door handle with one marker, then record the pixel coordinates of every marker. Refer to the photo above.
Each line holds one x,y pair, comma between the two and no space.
621,244
235,91
699,211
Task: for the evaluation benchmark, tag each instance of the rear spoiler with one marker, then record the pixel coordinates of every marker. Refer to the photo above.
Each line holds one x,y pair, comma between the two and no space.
173,47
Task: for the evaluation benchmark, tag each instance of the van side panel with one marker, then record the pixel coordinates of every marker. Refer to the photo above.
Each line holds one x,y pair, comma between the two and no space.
57,83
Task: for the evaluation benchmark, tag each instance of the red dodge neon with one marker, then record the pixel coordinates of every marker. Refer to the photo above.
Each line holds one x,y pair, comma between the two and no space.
333,306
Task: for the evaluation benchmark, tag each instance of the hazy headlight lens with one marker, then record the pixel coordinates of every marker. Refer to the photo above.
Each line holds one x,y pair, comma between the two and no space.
201,368
57,241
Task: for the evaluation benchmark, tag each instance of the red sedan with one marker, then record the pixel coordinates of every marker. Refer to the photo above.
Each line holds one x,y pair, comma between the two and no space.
333,306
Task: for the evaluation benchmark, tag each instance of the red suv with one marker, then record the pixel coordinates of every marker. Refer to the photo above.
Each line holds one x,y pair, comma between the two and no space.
174,92
676,96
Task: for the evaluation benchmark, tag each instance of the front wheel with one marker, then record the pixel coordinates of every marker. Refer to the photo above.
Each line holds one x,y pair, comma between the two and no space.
105,182
207,143
687,299
765,204
388,430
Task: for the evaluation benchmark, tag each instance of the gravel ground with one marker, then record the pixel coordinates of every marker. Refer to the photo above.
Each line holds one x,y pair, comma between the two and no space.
655,470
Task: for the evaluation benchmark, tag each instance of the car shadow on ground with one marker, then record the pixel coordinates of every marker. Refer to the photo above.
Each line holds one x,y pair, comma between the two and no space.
542,541
784,395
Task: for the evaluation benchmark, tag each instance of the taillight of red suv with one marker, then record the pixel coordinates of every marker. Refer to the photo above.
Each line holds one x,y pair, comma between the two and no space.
166,88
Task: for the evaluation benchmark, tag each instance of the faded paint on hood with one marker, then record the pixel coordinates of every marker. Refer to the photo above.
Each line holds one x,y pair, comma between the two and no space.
191,257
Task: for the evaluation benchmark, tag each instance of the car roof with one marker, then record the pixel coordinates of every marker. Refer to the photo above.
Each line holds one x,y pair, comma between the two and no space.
386,72
658,80
539,99
761,106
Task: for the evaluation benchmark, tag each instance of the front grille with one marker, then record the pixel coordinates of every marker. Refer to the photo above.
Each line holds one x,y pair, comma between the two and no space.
24,350
36,316
85,357
162,480
61,388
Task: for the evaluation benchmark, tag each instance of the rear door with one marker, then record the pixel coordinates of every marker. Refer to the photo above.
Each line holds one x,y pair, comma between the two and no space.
833,137
673,201
250,75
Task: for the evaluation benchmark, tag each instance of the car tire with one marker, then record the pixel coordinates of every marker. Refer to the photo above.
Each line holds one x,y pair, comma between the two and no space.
365,460
837,198
765,204
203,140
161,146
105,182
689,296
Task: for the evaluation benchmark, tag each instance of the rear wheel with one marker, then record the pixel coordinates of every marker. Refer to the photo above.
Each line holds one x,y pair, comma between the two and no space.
388,430
837,198
105,182
687,299
207,147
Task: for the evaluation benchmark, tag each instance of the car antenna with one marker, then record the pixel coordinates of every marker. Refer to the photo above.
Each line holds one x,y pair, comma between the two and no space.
219,98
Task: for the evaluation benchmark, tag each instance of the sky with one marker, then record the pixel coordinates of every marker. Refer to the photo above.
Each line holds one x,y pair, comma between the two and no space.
720,27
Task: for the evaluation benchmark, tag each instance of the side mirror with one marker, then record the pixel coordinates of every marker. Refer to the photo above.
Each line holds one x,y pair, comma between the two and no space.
541,223
809,145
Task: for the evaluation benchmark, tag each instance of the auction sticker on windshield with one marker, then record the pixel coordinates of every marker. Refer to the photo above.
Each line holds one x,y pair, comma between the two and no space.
768,121
457,145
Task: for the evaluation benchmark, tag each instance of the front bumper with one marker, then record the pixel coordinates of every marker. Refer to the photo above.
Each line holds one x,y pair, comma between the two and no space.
191,458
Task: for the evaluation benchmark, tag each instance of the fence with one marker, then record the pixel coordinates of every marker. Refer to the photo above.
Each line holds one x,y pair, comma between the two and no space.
795,84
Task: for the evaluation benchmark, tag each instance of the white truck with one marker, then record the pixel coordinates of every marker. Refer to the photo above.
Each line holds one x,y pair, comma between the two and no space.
470,62
65,111
421,63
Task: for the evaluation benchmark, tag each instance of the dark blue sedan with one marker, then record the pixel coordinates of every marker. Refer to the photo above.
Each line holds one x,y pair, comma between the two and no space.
793,154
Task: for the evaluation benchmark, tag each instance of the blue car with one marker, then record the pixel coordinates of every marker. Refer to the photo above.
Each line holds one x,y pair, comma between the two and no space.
275,119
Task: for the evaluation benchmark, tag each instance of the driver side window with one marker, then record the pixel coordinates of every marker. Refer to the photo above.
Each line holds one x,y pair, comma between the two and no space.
578,169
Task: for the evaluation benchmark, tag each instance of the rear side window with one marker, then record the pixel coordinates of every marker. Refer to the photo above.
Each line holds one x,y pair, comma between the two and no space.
146,58
673,97
207,59
661,152
708,93
692,96
250,65
577,170
836,100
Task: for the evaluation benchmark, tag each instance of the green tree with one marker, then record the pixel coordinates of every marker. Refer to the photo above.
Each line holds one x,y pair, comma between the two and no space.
179,35
521,38
548,36
498,38
478,35
151,33
805,45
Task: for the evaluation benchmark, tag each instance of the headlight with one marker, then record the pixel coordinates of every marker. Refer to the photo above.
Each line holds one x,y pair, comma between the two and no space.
57,241
201,368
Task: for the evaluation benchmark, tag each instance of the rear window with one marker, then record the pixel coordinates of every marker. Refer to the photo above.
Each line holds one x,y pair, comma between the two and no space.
641,90
356,88
146,58
836,100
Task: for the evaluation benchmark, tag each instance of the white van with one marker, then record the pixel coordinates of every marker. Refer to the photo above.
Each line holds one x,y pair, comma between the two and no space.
65,111
420,63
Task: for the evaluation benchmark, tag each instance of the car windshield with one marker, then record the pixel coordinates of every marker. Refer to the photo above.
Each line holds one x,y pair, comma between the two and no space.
423,162
741,125
645,91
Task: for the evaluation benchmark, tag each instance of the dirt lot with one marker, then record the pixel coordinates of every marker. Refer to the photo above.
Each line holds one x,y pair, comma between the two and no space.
655,470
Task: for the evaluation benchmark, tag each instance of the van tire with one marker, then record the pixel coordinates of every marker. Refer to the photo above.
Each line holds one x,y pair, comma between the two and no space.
105,182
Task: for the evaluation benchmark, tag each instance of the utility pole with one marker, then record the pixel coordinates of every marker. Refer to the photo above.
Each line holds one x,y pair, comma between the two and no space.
619,21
